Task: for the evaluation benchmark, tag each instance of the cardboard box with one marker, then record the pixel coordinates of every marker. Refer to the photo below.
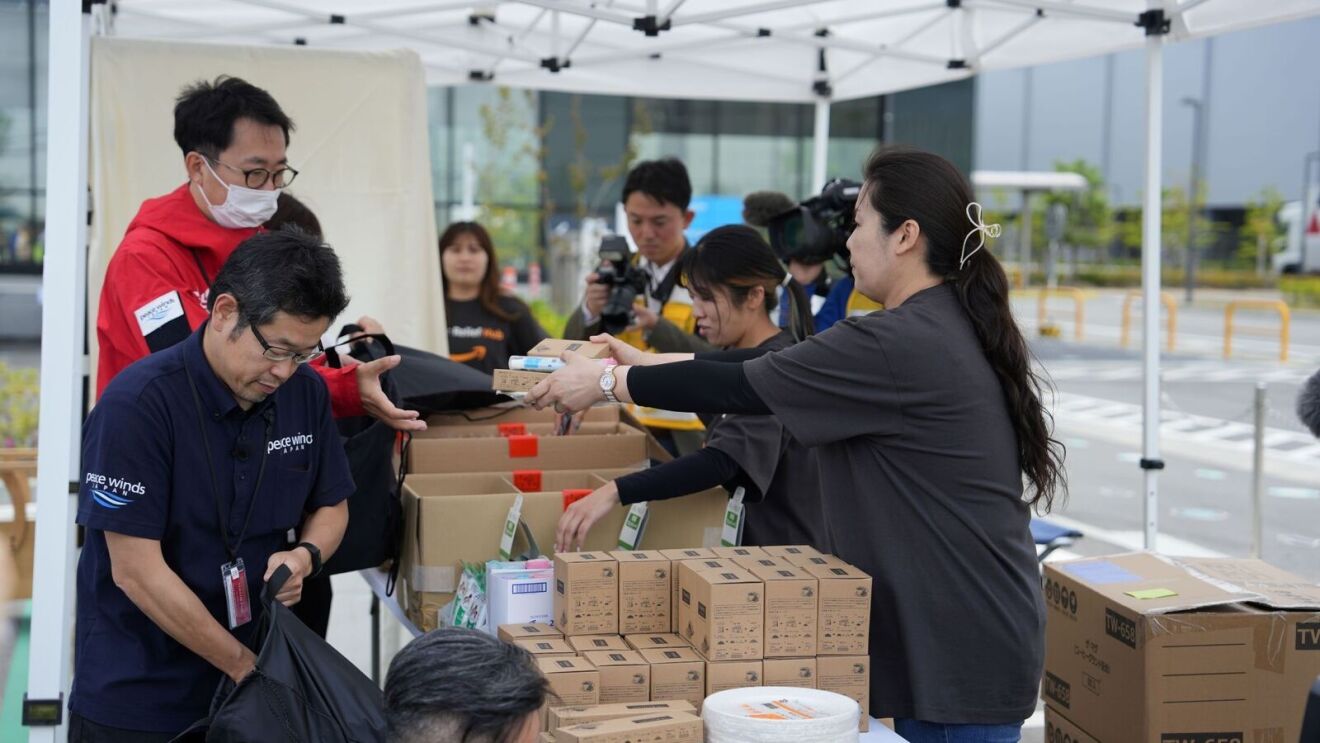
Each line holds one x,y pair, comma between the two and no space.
790,672
845,609
567,716
644,592
556,347
661,727
806,561
546,647
1060,728
792,610
511,632
655,641
624,675
792,550
619,445
460,516
722,612
733,675
676,673
573,680
1142,647
733,553
509,380
849,675
763,561
586,593
675,556
586,643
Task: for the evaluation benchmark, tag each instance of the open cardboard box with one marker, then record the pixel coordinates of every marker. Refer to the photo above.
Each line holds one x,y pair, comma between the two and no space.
453,517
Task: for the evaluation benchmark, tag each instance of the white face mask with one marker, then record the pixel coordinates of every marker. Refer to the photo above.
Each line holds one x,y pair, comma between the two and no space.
244,207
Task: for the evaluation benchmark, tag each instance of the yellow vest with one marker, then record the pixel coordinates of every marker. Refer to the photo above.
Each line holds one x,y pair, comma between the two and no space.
677,310
860,305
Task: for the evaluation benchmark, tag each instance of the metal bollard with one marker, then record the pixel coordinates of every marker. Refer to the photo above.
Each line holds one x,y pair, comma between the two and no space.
1258,473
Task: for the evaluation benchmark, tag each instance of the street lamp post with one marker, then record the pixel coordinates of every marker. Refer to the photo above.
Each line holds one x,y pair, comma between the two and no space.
1198,122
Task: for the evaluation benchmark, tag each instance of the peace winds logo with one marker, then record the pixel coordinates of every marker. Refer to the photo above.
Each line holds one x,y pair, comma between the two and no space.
113,493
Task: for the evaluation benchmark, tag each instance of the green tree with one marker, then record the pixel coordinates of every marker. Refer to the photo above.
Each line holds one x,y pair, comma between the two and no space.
1090,220
1261,228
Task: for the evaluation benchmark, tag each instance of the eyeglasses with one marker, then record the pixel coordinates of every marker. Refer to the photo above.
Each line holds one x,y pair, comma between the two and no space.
275,353
257,177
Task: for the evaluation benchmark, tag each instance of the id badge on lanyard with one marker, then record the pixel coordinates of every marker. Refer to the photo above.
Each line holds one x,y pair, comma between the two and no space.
234,578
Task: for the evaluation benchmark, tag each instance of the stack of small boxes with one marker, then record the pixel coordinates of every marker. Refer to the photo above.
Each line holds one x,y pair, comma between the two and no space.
526,376
650,634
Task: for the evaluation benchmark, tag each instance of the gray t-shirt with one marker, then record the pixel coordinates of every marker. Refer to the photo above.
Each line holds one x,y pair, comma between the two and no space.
922,488
783,471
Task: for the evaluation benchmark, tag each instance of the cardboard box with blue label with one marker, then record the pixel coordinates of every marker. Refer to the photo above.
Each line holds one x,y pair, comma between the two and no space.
1152,649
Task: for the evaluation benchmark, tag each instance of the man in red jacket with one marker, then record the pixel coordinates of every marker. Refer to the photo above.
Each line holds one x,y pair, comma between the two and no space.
233,136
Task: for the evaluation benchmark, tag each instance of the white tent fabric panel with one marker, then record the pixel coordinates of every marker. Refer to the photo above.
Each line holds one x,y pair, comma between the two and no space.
725,49
360,145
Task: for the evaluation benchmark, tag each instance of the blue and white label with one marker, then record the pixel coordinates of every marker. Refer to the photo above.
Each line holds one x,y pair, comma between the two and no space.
152,315
113,493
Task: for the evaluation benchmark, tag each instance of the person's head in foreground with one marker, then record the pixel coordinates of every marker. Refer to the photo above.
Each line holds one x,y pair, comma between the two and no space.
656,195
270,304
463,686
918,226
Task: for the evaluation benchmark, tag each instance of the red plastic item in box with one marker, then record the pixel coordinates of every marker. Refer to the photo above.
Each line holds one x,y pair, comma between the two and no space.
512,429
527,481
523,445
574,495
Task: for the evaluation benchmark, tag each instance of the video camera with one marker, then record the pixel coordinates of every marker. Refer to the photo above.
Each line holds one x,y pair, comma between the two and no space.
625,280
818,228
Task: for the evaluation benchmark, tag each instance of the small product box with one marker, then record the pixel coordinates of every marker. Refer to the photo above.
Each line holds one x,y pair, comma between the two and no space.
737,674
806,561
791,610
624,676
675,557
516,596
545,647
511,632
650,642
574,681
585,643
791,550
561,717
660,727
733,553
556,347
586,600
645,593
722,612
676,673
790,672
761,561
845,609
849,675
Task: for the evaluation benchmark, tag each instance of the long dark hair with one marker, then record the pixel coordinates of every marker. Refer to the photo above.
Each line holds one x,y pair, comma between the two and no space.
905,184
490,283
737,258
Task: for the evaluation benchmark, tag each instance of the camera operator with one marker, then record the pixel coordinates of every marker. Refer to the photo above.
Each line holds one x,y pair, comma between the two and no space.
760,209
656,195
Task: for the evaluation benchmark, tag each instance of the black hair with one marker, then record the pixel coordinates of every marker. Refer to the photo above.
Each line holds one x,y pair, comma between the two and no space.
286,271
205,112
290,211
905,184
461,686
1308,404
665,180
736,258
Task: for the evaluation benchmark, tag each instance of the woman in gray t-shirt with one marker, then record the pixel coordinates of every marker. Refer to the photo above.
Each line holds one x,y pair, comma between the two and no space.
928,427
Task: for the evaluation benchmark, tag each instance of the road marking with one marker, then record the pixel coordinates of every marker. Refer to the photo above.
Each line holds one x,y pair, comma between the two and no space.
1279,491
1197,513
1206,473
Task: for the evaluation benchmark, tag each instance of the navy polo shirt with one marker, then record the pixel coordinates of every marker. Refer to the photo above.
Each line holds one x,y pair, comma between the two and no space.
145,475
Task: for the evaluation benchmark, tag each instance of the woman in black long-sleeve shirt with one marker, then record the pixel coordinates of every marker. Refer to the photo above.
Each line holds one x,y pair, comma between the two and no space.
733,277
933,446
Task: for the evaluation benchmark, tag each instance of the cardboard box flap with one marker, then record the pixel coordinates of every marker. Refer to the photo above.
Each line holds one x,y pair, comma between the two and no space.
608,658
564,665
728,576
1147,583
1277,588
660,656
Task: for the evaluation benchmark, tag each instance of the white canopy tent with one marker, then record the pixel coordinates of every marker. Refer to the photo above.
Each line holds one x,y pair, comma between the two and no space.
772,50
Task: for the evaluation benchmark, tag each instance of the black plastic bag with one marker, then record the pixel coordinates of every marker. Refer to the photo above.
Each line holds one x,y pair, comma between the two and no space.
302,690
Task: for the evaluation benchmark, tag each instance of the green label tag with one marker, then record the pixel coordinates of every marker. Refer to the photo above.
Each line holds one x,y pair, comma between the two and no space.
731,534
510,528
633,525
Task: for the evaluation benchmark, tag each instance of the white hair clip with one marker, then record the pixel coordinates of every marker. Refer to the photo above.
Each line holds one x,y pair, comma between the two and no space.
788,279
980,229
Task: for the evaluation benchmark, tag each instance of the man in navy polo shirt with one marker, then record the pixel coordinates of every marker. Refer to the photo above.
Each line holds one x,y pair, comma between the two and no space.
199,462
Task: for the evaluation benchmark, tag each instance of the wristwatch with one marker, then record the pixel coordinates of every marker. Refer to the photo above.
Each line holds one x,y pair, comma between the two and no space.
315,552
607,382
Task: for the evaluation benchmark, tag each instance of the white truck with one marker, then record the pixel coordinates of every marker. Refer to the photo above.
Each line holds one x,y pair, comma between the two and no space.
1300,249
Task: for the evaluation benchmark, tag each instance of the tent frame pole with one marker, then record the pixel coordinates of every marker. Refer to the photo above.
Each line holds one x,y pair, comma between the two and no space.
820,145
1151,255
63,366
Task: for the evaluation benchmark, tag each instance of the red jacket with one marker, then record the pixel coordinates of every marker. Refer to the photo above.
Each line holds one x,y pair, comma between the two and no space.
155,292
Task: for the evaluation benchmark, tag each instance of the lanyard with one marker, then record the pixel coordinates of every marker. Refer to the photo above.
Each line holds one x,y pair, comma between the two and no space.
269,415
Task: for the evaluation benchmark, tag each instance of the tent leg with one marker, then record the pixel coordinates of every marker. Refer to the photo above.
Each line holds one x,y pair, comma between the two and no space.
820,145
63,322
1150,283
